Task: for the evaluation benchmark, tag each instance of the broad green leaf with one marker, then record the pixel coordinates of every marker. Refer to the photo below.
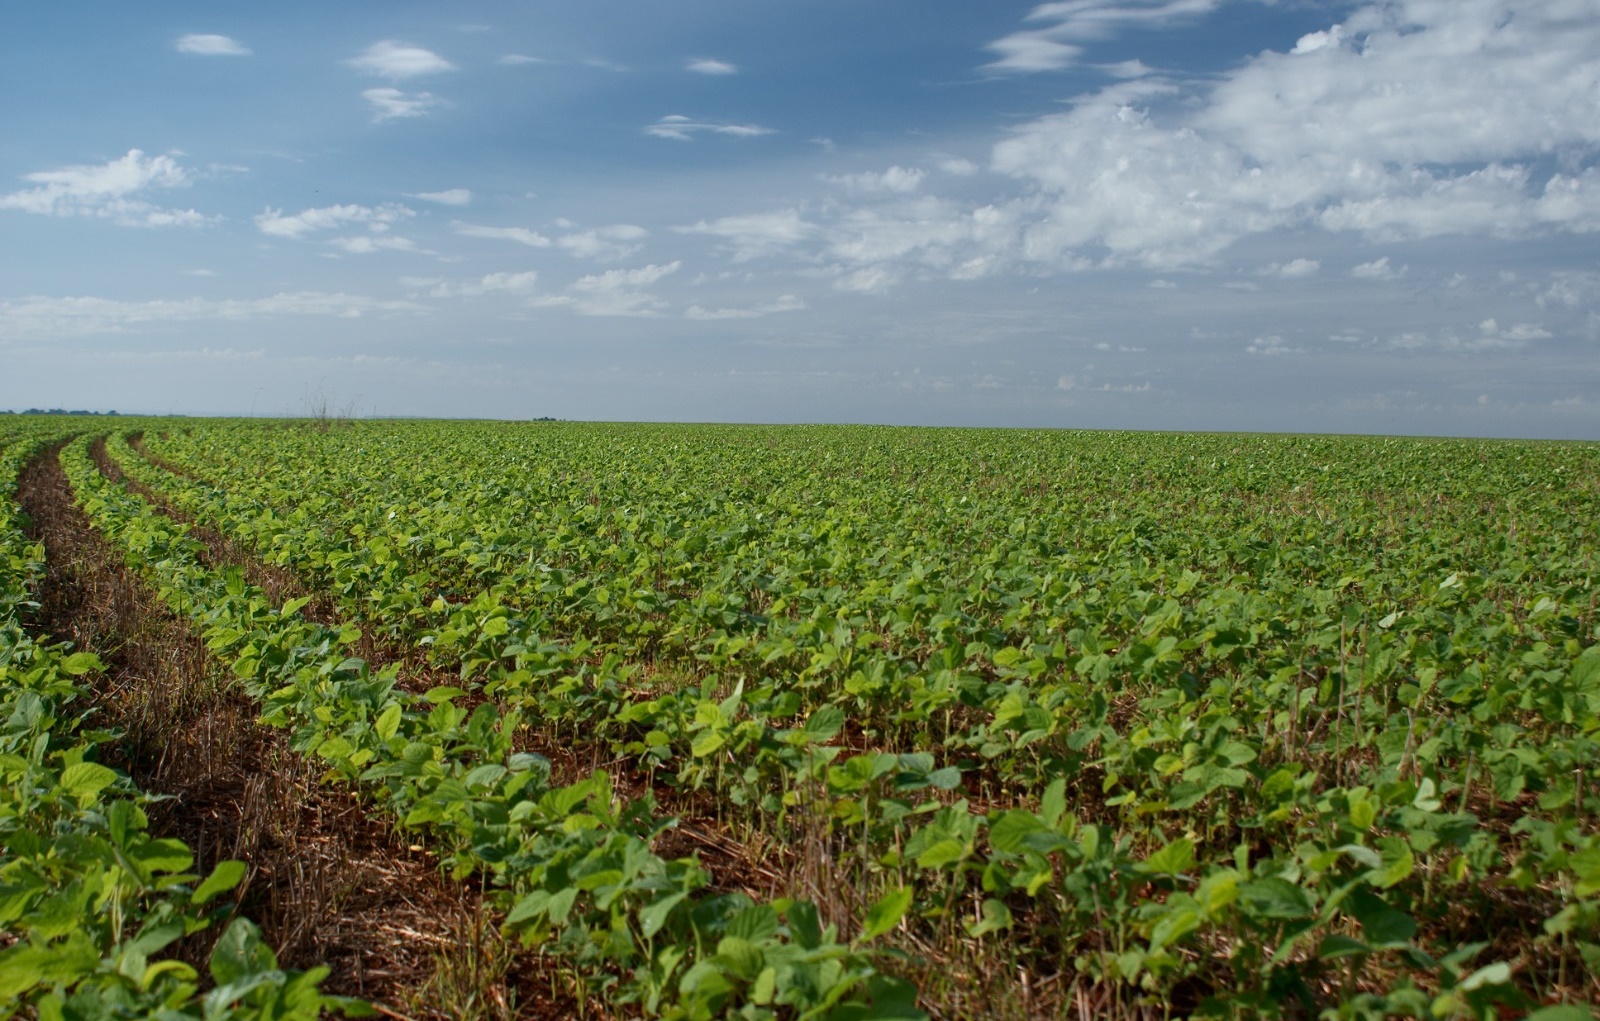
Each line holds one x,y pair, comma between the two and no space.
1174,859
1275,898
240,953
80,663
388,722
86,779
824,723
1009,832
226,876
886,914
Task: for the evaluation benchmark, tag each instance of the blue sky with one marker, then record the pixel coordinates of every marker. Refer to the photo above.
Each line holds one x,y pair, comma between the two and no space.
1171,214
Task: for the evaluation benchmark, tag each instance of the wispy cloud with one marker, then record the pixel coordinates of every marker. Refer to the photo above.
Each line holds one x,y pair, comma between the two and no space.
521,235
895,180
399,61
308,221
1060,45
106,191
616,292
449,197
211,46
683,129
366,244
705,65
1294,269
518,59
491,283
784,303
390,103
604,244
756,234
50,317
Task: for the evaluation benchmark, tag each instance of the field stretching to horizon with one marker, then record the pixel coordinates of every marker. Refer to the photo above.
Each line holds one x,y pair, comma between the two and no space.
496,720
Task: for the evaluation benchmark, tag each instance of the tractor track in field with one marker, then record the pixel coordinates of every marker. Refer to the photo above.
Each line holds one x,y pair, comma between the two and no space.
327,884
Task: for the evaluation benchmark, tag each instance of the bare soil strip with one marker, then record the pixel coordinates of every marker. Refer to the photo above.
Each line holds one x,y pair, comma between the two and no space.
328,885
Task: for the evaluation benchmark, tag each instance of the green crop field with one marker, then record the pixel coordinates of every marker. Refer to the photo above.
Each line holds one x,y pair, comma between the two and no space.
849,722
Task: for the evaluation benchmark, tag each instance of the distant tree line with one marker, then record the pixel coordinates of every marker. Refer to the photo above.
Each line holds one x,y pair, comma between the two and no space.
54,411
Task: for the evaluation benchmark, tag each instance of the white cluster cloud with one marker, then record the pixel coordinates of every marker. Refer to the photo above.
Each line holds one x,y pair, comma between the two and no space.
1411,119
683,129
398,61
1377,269
51,317
379,219
106,191
204,45
1486,336
492,283
366,244
897,180
1571,289
604,244
390,103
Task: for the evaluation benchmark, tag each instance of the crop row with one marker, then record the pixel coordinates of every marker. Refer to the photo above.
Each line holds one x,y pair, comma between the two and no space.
1226,710
91,902
572,865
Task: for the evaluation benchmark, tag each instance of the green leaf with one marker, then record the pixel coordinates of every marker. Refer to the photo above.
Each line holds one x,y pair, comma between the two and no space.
825,723
1562,1012
80,663
946,779
755,923
1174,859
942,853
996,916
706,743
1276,899
26,966
388,722
1336,946
886,914
561,904
1384,926
1586,671
86,779
742,957
805,927
655,915
1496,974
240,953
1054,803
1008,833
1398,863
164,855
226,876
